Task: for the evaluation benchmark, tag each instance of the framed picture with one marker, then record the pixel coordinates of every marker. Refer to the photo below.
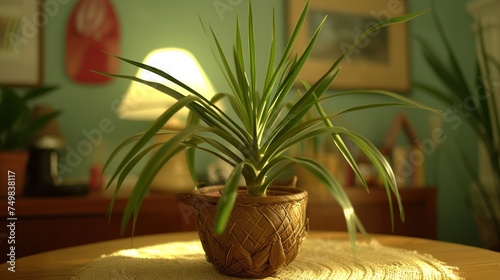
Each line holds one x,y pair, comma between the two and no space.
21,33
379,62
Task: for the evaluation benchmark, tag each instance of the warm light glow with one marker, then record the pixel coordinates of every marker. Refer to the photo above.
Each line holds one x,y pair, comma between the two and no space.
348,212
174,250
142,102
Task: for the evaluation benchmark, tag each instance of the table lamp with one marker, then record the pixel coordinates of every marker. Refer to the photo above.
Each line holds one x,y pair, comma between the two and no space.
142,102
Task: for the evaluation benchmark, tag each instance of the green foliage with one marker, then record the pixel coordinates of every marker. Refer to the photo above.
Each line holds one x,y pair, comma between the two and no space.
483,116
255,144
17,125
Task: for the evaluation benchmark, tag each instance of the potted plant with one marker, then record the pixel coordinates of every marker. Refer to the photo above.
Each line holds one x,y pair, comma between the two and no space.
474,104
17,127
254,142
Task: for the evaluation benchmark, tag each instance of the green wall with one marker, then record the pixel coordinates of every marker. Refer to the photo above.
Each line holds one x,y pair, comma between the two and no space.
151,24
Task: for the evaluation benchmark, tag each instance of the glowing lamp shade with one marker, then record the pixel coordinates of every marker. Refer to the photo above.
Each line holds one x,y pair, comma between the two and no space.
142,102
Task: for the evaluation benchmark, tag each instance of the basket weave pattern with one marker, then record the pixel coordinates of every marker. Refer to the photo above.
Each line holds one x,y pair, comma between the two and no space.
263,234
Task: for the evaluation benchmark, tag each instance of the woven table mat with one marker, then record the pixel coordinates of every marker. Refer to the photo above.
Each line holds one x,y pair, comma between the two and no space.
317,259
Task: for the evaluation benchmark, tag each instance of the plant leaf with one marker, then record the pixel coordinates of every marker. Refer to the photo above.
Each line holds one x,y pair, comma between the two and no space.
148,135
152,167
228,198
39,92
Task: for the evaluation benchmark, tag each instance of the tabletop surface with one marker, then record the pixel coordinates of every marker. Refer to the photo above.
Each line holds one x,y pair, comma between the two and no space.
473,262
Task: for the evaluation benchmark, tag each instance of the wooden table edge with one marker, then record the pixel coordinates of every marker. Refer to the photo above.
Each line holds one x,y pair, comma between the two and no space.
469,259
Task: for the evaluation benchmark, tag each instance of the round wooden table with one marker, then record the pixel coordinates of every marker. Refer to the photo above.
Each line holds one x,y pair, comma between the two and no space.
472,262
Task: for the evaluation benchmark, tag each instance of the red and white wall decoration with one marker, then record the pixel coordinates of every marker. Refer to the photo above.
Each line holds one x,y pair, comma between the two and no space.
93,29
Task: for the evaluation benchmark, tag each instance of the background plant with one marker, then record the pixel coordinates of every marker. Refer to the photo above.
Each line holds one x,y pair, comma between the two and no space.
475,104
256,141
17,125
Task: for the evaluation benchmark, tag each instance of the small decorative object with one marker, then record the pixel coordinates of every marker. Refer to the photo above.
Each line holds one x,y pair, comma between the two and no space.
93,27
96,180
408,161
42,166
42,170
254,141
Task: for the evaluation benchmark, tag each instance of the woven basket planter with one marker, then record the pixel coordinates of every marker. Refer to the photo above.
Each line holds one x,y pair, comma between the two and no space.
263,234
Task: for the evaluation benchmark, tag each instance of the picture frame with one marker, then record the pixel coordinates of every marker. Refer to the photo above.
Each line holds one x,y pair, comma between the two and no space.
21,42
381,61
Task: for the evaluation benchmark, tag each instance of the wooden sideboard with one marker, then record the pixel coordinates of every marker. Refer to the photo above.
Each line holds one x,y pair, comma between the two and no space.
373,210
48,223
